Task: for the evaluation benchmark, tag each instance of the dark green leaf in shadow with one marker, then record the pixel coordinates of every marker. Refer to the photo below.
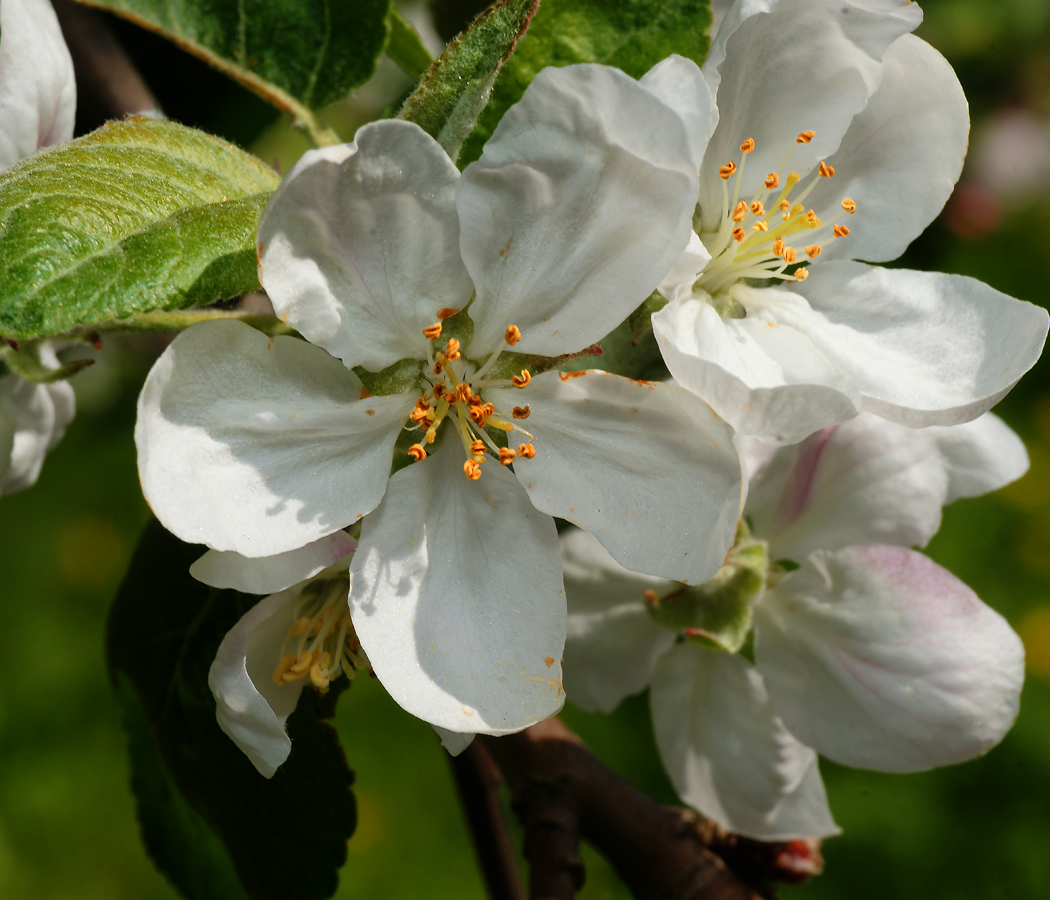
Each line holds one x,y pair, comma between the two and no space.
210,821
136,216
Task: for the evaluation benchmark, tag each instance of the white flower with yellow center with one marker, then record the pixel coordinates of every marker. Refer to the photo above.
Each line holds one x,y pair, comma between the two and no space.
450,294
837,136
37,105
865,651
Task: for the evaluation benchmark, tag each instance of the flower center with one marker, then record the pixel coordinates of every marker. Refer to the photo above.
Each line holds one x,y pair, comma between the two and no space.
755,235
321,643
453,392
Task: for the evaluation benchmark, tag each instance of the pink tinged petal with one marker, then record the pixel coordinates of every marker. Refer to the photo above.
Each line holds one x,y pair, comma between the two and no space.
763,377
728,753
560,230
879,658
900,158
646,467
260,445
36,415
250,708
226,569
359,247
810,65
454,742
923,348
38,96
457,597
612,644
678,82
870,481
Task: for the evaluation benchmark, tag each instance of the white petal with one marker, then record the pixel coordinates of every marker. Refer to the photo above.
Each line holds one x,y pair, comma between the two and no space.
38,96
580,204
809,65
645,467
727,752
454,742
7,441
877,657
457,597
763,377
226,569
260,445
870,481
922,347
901,156
679,281
359,247
678,82
37,421
249,706
612,643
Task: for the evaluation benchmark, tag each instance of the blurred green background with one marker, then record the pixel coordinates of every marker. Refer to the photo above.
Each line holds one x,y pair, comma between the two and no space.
979,830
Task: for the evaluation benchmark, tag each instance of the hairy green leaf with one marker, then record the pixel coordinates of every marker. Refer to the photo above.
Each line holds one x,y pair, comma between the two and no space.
210,821
136,216
633,35
297,54
451,96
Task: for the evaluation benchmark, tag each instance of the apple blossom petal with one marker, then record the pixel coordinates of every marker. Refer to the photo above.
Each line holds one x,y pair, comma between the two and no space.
560,230
728,754
38,96
878,658
760,376
870,481
260,445
612,643
646,467
269,574
923,348
359,247
30,412
678,284
7,442
249,706
454,742
457,597
679,83
900,158
809,65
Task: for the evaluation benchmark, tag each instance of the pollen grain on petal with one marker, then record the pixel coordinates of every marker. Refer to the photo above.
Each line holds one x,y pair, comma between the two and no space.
432,332
748,145
849,206
522,380
772,181
727,170
526,450
805,137
506,456
417,452
512,335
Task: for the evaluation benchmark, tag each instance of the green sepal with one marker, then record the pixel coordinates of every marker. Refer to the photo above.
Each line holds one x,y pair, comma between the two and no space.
621,354
136,216
510,363
25,361
397,378
204,811
453,93
641,320
406,47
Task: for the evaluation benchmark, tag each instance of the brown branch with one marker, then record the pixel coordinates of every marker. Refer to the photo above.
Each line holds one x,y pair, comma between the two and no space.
103,69
478,780
561,792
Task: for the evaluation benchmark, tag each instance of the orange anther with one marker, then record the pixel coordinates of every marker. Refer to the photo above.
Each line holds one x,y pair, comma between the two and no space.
512,335
813,251
419,415
757,209
739,234
446,312
506,456
432,332
464,393
825,170
772,181
521,412
651,597
805,137
789,255
477,447
785,205
522,380
801,274
439,390
477,415
417,452
739,212
452,350
849,206
727,170
778,247
760,226
748,145
472,469
526,450
840,231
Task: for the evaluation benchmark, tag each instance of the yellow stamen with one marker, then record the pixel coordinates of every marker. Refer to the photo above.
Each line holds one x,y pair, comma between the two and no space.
417,452
299,627
521,412
283,667
432,332
825,170
526,450
772,181
512,335
802,275
748,145
506,456
522,380
319,678
813,251
805,137
840,231
849,206
727,170
464,393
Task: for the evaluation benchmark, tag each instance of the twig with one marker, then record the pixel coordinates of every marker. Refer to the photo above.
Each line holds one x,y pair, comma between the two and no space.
102,66
561,791
478,780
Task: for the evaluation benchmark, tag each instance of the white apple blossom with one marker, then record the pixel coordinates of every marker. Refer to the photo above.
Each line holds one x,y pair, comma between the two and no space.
836,136
300,633
37,107
380,253
865,651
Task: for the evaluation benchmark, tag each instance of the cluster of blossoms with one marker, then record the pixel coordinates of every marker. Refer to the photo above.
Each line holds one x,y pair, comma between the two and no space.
425,413
37,107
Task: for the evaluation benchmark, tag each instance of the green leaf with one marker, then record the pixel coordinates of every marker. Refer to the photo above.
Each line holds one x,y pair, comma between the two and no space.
448,101
211,823
406,47
633,35
297,54
136,216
